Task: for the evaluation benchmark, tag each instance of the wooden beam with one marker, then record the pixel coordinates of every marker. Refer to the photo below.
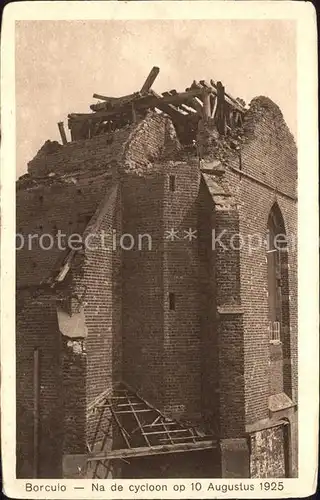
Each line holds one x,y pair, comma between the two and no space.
96,432
112,102
101,97
166,431
103,443
231,100
220,112
62,133
228,113
170,110
188,109
150,80
205,84
108,113
206,105
153,450
185,439
183,96
192,102
152,100
155,424
238,120
138,422
137,411
194,90
121,428
195,85
98,106
214,106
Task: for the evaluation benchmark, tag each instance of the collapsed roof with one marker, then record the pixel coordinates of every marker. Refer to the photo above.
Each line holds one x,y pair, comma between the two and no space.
200,100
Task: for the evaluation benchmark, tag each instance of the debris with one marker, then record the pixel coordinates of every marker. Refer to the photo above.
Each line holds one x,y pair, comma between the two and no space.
201,100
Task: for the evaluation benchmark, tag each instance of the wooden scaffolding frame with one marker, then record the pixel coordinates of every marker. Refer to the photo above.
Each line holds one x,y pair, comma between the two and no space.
127,427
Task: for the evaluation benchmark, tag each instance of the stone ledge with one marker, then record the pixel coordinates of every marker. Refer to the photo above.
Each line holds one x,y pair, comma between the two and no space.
263,424
278,402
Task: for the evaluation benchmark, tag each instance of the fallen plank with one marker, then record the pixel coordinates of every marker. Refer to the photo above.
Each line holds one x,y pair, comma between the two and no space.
153,450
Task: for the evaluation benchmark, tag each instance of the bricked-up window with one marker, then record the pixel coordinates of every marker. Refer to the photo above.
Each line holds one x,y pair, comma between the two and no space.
172,182
172,301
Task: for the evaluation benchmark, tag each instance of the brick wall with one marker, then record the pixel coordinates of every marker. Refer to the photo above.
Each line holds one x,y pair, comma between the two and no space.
152,139
143,274
73,395
96,285
142,270
82,155
45,210
270,153
65,200
182,363
37,328
276,370
207,309
229,326
163,349
269,156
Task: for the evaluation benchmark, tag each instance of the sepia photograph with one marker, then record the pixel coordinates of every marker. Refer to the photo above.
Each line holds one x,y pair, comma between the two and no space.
156,233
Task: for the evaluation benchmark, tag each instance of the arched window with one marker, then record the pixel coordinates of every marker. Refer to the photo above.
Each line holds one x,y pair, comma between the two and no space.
278,248
276,240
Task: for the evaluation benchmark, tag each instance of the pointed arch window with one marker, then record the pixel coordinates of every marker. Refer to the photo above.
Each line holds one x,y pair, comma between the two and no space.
276,238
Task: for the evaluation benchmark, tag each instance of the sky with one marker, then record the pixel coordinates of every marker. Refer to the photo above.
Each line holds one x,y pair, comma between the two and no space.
61,64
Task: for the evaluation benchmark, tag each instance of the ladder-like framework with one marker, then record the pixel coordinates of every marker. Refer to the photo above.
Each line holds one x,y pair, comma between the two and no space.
129,427
200,100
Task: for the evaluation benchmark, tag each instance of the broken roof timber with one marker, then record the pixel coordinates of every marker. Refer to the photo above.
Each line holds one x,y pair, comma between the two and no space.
143,451
151,100
117,100
150,79
112,102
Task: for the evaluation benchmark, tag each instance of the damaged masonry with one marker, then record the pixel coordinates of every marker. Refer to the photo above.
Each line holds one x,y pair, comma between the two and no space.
175,362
